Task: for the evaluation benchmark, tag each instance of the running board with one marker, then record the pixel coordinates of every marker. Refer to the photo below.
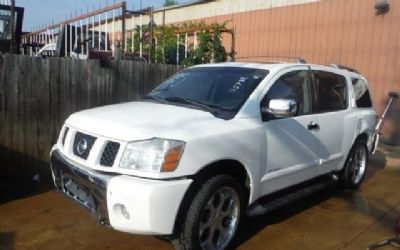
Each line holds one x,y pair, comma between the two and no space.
282,198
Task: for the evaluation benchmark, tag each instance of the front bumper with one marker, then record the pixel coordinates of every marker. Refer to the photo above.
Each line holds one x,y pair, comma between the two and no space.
126,203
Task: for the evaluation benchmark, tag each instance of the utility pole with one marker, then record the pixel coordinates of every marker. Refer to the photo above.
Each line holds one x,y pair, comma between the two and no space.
151,29
12,28
123,26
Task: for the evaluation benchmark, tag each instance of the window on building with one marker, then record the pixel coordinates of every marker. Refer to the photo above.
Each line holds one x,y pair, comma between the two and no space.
361,92
332,91
5,24
5,32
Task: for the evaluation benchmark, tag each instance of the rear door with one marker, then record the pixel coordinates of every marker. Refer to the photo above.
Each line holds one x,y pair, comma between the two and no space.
333,107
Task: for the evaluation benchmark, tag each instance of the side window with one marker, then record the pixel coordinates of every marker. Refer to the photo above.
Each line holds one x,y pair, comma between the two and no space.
293,85
363,98
332,91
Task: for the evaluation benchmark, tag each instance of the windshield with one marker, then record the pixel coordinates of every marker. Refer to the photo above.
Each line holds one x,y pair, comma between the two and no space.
224,89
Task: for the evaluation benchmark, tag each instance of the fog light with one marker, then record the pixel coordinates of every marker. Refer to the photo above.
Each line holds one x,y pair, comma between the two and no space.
121,211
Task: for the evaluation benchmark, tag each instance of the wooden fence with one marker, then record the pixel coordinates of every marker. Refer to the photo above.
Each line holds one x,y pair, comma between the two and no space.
37,95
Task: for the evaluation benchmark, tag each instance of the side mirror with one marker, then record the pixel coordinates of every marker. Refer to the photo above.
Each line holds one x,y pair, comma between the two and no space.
281,108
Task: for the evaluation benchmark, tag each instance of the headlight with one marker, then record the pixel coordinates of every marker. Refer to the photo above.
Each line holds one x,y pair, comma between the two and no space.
154,155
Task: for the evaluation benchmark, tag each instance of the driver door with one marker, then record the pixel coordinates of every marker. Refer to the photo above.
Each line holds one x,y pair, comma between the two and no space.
293,146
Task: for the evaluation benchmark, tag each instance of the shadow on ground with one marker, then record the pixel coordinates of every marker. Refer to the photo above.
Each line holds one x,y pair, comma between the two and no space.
390,151
377,163
7,241
22,176
253,225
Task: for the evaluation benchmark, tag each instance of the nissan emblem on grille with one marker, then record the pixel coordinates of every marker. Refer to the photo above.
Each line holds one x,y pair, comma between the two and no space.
83,143
82,146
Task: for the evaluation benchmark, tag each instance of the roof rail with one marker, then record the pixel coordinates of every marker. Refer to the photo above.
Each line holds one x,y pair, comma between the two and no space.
338,66
297,59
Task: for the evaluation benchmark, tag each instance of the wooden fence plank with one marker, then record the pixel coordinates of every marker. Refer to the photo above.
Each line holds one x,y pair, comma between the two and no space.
39,94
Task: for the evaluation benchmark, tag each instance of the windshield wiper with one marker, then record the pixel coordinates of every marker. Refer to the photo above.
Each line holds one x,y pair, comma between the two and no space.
192,102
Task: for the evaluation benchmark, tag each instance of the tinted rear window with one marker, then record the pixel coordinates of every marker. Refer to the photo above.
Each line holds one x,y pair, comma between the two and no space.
332,91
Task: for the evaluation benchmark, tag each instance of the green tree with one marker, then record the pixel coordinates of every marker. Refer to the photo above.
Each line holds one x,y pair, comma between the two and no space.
209,47
170,2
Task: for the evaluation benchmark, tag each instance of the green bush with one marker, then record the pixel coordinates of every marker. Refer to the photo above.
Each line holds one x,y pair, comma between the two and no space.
209,44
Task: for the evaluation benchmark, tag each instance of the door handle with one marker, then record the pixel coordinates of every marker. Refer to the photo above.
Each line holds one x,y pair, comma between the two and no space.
313,126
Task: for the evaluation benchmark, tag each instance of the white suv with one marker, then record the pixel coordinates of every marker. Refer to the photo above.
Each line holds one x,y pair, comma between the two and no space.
207,145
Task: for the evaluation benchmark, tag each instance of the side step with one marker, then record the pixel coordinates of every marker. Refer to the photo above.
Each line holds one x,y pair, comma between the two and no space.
282,198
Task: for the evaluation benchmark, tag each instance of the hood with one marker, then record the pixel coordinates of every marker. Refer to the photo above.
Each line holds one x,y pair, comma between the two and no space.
142,120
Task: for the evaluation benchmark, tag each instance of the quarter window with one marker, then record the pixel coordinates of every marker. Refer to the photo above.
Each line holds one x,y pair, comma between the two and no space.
294,85
332,91
361,92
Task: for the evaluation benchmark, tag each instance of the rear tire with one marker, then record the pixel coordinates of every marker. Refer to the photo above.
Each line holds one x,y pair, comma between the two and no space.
213,216
356,165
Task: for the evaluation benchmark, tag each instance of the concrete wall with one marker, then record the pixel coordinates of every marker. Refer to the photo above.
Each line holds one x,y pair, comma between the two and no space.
179,14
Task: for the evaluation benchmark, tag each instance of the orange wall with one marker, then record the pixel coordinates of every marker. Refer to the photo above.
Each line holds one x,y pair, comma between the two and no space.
332,31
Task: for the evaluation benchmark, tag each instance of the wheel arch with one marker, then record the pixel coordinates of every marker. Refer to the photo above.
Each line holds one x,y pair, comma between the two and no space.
346,181
362,136
230,167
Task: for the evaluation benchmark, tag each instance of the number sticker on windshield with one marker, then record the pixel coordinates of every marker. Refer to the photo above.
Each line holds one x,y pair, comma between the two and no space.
238,84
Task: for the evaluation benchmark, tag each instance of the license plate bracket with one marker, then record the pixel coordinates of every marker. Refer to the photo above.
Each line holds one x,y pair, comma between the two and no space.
78,192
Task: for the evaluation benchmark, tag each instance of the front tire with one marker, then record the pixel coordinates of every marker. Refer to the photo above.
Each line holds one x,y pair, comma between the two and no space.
213,216
355,166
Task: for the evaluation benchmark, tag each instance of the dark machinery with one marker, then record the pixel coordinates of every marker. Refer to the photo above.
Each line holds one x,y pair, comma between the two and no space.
10,31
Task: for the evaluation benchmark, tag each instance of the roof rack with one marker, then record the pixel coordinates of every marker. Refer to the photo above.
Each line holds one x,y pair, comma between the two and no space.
297,59
338,66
